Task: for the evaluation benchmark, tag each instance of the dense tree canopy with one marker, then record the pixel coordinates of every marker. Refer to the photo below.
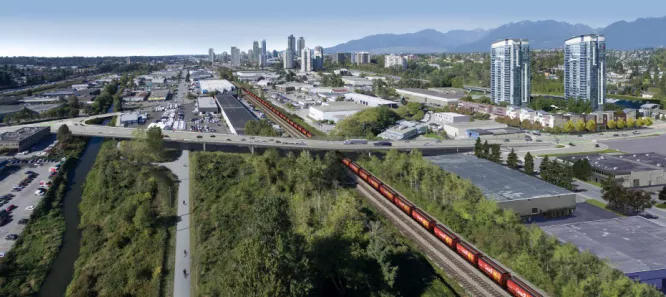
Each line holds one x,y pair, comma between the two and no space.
367,123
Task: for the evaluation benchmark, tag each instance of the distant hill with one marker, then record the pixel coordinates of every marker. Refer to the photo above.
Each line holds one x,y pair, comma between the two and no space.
622,35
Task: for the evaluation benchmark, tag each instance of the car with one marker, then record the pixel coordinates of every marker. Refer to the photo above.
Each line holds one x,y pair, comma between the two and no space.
438,141
278,141
636,132
11,237
506,140
602,133
11,207
596,145
30,208
165,136
29,172
228,139
616,135
243,139
199,136
648,215
23,221
580,135
2,254
571,144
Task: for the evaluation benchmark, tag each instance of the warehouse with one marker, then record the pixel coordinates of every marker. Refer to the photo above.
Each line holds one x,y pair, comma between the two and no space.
207,105
459,130
23,138
630,170
404,130
234,112
334,111
356,81
633,245
159,95
220,85
369,100
511,189
445,97
450,118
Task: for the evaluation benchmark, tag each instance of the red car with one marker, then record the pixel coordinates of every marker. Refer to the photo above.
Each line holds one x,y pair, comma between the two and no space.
11,207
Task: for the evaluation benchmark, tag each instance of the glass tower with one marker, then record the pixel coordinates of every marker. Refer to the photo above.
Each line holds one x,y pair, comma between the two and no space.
585,69
510,71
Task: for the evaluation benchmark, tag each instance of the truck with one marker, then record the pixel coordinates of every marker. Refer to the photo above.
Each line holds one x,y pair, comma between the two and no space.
383,143
356,141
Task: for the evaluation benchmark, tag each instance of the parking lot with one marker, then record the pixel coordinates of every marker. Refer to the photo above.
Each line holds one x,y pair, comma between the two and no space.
11,176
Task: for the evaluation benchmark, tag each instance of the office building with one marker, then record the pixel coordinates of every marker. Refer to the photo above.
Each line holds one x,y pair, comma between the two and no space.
275,54
250,56
291,43
395,60
362,58
342,58
235,56
224,58
263,47
255,52
585,69
23,138
290,52
510,71
306,60
262,60
404,130
318,59
301,44
642,170
211,55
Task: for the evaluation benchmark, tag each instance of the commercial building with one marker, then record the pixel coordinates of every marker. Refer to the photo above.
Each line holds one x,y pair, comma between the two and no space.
334,111
404,130
511,189
510,71
341,58
361,58
127,119
59,93
450,118
395,60
642,170
136,97
80,86
459,130
306,60
301,44
585,69
444,97
211,55
207,105
633,245
220,85
288,59
650,109
23,138
369,100
318,59
235,57
254,58
356,81
263,48
158,95
235,114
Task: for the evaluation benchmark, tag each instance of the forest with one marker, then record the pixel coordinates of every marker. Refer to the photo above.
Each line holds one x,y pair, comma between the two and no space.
127,224
270,225
367,123
558,269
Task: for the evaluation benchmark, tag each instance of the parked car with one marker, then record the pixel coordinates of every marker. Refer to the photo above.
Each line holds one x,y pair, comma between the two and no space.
571,144
11,207
199,136
637,132
11,237
23,221
30,208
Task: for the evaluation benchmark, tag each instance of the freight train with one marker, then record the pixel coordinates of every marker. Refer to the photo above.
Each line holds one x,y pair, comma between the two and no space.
456,243
265,103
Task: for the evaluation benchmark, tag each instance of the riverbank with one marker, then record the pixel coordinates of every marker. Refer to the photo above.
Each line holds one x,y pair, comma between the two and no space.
26,266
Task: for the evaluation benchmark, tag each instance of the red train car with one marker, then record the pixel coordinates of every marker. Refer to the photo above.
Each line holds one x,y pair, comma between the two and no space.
425,220
405,205
494,271
347,162
309,135
469,253
446,236
354,167
387,192
363,174
519,289
374,182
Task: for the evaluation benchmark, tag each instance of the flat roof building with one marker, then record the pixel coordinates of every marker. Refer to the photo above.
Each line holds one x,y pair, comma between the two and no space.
459,130
630,170
356,81
511,189
23,138
220,85
450,118
404,130
158,95
432,96
334,111
234,112
207,105
369,100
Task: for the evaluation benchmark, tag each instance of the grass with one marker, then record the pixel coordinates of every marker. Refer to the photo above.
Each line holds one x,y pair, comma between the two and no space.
596,184
559,146
434,135
661,205
602,205
606,151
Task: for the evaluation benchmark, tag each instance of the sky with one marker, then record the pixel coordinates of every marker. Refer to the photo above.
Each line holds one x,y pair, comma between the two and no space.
166,27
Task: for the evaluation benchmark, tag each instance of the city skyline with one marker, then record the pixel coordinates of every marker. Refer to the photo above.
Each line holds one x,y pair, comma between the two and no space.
42,28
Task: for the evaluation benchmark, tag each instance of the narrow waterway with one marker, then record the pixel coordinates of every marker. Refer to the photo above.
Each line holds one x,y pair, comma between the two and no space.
62,271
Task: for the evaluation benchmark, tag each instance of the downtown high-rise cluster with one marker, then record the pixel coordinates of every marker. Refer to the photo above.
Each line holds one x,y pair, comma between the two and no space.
310,60
584,70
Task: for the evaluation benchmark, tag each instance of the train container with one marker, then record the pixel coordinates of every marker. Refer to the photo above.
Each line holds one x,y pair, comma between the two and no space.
425,220
354,167
374,182
494,271
309,134
468,252
450,239
403,204
346,161
363,174
519,289
387,192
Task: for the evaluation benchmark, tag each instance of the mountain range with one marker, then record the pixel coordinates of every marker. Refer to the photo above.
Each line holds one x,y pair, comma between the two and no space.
621,35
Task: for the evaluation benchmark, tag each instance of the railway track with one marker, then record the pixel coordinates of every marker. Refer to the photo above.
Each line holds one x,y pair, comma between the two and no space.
471,280
276,119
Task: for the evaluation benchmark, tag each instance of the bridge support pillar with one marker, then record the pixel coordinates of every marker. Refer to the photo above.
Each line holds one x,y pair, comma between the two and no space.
252,150
204,146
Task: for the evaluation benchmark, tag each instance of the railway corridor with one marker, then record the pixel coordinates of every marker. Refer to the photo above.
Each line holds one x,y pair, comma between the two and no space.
275,118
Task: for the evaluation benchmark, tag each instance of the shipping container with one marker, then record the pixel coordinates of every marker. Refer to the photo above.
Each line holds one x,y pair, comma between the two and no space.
423,219
387,192
446,236
469,253
494,271
363,174
405,205
519,289
374,182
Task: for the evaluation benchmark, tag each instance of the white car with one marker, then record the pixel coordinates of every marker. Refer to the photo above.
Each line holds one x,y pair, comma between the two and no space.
30,208
2,254
40,193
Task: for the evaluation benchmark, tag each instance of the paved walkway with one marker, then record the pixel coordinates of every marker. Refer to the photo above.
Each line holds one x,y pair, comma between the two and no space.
181,168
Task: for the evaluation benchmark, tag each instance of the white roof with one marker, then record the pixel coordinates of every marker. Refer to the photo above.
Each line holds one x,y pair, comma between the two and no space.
206,102
216,84
369,99
508,41
584,38
339,106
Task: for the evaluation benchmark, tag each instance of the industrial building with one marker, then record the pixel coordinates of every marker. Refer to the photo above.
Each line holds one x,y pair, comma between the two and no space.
450,118
137,97
334,111
631,170
633,245
220,85
207,105
431,96
356,81
459,130
235,114
369,100
131,118
159,95
511,189
404,130
23,138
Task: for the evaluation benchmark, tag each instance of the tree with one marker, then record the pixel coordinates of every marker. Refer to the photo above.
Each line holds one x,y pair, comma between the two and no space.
648,120
582,169
580,125
486,150
640,122
495,155
64,135
543,167
626,201
155,140
591,126
512,159
611,124
568,126
620,123
142,218
529,164
662,194
631,123
29,92
478,148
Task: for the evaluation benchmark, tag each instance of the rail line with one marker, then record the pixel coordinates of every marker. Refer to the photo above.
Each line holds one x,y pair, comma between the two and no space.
284,124
471,280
